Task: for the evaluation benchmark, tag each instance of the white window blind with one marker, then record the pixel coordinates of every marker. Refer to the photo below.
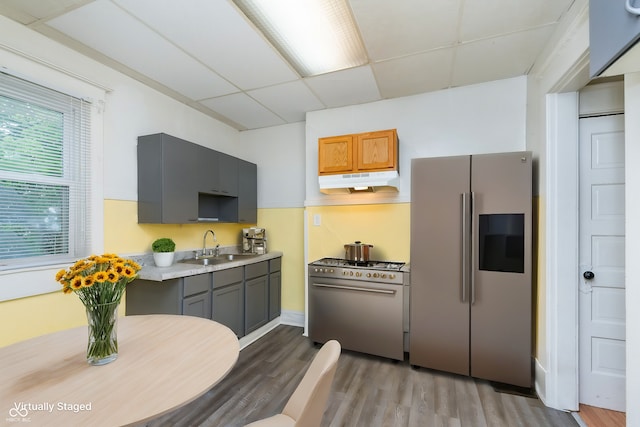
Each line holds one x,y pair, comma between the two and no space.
44,175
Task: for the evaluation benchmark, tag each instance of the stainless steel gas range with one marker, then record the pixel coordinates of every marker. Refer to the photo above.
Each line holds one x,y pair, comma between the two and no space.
362,305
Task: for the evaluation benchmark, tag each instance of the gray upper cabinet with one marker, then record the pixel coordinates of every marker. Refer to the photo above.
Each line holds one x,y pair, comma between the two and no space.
247,192
180,183
612,31
207,171
228,174
165,177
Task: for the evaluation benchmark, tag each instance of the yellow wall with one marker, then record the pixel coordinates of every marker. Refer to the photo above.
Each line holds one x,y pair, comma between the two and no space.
385,226
285,233
29,317
123,234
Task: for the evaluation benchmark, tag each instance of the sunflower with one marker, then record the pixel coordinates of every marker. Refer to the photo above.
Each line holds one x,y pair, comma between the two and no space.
112,276
100,276
87,281
76,283
128,272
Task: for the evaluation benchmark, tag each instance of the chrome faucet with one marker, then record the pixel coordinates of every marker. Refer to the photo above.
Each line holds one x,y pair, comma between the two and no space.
214,252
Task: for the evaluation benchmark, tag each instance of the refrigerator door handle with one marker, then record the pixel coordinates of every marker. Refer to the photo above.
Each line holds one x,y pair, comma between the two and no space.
472,251
465,246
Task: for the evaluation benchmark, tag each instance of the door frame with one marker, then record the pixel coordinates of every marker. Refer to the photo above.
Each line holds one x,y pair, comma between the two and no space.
562,245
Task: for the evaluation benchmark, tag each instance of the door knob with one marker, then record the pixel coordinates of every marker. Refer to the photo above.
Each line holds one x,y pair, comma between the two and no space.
588,275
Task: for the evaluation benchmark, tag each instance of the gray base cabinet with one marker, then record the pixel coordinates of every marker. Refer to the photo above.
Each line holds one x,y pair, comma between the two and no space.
275,288
228,299
189,296
256,287
242,298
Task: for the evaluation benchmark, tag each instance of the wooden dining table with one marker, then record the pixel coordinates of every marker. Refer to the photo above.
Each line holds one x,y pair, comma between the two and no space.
164,362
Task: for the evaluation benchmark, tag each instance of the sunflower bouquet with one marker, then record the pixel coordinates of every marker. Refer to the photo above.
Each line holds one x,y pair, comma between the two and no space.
100,281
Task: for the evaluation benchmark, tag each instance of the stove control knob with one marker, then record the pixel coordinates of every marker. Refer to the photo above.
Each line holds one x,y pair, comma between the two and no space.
375,275
383,275
392,276
351,273
315,270
331,271
344,273
358,274
368,274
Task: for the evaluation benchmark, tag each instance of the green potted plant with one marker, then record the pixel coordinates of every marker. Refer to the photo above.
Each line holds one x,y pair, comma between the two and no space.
163,251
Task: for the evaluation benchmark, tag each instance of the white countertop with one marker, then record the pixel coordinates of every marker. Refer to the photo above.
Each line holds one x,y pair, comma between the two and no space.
179,269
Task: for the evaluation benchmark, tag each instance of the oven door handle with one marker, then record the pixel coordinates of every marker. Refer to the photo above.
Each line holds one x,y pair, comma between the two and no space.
354,288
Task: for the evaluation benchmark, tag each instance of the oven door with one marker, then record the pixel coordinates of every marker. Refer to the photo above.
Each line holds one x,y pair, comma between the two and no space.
362,316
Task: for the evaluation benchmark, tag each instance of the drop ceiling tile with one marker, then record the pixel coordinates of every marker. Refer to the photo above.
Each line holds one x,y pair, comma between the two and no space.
243,110
290,100
503,17
499,57
413,74
106,28
219,35
347,87
401,27
29,11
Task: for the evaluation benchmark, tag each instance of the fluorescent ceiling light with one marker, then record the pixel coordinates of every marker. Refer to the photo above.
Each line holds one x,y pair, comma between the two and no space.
315,36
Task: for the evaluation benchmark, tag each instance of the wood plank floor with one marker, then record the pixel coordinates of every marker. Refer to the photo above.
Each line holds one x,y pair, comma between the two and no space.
598,417
367,391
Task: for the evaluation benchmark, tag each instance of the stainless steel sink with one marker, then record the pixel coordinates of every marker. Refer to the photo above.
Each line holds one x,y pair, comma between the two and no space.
237,257
220,259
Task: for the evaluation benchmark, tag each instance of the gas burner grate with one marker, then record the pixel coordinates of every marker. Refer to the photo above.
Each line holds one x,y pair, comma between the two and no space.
375,265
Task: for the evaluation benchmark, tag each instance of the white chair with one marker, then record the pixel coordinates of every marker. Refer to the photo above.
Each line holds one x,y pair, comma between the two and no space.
307,403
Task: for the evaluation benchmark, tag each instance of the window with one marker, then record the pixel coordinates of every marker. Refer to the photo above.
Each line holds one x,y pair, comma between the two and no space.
44,175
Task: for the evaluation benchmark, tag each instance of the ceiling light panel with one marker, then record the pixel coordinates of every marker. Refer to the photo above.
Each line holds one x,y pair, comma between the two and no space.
315,36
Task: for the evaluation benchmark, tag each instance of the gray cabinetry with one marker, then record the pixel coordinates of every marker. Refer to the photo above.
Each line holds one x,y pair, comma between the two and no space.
189,296
197,296
612,32
207,171
242,298
180,182
228,299
228,174
166,176
247,192
256,287
275,288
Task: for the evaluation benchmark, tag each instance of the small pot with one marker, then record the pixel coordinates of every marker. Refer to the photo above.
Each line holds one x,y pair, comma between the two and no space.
358,251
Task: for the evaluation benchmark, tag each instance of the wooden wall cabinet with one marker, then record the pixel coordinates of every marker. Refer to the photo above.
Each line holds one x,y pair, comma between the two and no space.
363,152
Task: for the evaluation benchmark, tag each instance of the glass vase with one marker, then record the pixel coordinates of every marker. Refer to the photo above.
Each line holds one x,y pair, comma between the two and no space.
102,319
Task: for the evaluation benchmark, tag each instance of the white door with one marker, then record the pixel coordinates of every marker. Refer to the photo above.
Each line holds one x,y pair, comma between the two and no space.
602,287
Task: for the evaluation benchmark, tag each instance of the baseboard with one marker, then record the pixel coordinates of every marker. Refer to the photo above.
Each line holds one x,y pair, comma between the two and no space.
258,333
287,317
292,318
540,381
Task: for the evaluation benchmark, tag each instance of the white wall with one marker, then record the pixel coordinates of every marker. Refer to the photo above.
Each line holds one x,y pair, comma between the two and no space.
483,118
123,110
132,110
279,152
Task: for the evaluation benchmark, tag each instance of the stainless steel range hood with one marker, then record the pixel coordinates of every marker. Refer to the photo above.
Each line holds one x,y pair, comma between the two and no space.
386,181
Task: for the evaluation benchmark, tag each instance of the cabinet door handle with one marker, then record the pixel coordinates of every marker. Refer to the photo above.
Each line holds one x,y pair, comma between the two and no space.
632,9
353,288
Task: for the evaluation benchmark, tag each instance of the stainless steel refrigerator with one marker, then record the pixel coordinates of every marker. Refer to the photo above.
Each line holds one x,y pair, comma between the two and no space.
471,278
